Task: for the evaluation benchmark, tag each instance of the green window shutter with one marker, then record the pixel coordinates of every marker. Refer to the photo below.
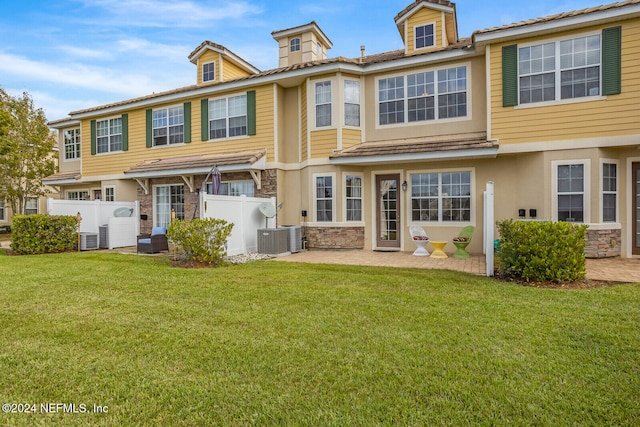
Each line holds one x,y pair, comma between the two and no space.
510,75
251,112
611,61
125,132
204,119
187,121
93,137
149,127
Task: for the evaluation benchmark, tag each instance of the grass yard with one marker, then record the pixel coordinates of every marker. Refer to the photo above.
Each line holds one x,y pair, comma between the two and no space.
272,343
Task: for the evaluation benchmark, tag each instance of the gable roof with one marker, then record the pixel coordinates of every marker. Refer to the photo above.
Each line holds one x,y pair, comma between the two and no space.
409,10
208,45
311,26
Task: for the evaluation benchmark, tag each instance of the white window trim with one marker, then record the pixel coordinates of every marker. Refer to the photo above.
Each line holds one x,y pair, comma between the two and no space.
343,111
106,153
79,148
557,73
344,192
437,121
472,214
104,192
415,37
68,192
37,205
227,138
299,44
153,199
215,71
311,104
168,144
601,190
315,198
587,187
2,210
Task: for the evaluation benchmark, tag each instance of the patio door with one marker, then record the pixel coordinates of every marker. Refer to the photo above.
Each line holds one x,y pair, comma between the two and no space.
635,184
388,225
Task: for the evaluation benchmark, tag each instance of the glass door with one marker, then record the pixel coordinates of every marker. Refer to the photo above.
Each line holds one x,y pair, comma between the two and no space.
388,211
635,184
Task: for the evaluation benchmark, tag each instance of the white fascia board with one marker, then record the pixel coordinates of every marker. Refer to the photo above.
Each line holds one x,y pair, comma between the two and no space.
249,83
413,157
60,181
528,30
60,124
240,167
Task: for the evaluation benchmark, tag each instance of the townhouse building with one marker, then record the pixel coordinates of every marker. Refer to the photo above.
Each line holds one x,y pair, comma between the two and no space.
359,149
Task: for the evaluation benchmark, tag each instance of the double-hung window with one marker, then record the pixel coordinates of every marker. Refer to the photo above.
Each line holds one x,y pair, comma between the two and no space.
109,194
424,36
295,44
109,135
351,103
209,72
353,196
168,198
609,192
324,198
168,126
2,210
78,195
72,144
234,188
228,117
323,103
429,95
31,206
441,196
564,69
570,192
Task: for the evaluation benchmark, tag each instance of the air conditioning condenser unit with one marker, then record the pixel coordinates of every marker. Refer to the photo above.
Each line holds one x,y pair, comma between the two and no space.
272,241
88,241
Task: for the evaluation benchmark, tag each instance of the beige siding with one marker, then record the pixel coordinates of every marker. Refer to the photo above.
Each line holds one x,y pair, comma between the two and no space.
323,142
304,123
117,163
615,115
422,17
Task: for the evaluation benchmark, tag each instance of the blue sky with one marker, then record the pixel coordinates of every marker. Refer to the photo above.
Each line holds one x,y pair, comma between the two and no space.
76,54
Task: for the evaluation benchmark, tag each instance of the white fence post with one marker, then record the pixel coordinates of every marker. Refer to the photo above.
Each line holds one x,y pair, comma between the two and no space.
489,219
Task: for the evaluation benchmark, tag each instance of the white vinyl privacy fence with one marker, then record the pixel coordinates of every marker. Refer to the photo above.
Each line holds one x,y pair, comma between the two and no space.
243,212
116,222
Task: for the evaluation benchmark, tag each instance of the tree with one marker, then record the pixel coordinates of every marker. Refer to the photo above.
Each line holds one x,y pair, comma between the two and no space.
26,149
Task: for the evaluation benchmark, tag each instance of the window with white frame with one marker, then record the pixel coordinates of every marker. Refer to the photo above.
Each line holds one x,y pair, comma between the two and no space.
324,198
167,198
228,117
71,144
2,218
353,197
428,95
168,126
78,195
109,135
609,192
234,188
323,103
441,196
209,72
110,194
570,192
351,103
31,206
295,44
563,69
424,36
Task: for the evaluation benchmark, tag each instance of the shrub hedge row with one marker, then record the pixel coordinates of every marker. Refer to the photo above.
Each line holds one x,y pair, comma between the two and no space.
542,251
40,234
202,240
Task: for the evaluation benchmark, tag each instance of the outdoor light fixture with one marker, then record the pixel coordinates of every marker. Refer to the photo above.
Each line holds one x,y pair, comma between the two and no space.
522,213
404,186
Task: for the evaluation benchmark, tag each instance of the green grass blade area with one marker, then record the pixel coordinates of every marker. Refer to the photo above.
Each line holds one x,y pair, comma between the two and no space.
270,343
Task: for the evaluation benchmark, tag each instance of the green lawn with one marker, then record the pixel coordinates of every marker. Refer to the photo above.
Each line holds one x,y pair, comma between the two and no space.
272,343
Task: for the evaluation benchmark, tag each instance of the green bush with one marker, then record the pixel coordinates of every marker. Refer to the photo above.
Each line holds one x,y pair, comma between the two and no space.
542,251
40,234
202,240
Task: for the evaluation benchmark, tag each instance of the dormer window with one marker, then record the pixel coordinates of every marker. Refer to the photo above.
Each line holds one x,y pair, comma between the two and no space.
295,45
425,36
209,72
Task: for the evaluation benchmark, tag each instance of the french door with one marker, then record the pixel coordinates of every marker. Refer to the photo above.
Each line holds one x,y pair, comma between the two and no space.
388,226
635,184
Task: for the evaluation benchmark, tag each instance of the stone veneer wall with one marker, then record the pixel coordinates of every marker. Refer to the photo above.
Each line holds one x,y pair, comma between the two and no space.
603,243
334,237
268,181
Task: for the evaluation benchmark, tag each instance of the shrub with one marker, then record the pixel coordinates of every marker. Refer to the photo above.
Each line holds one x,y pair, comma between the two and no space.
542,251
39,234
202,240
